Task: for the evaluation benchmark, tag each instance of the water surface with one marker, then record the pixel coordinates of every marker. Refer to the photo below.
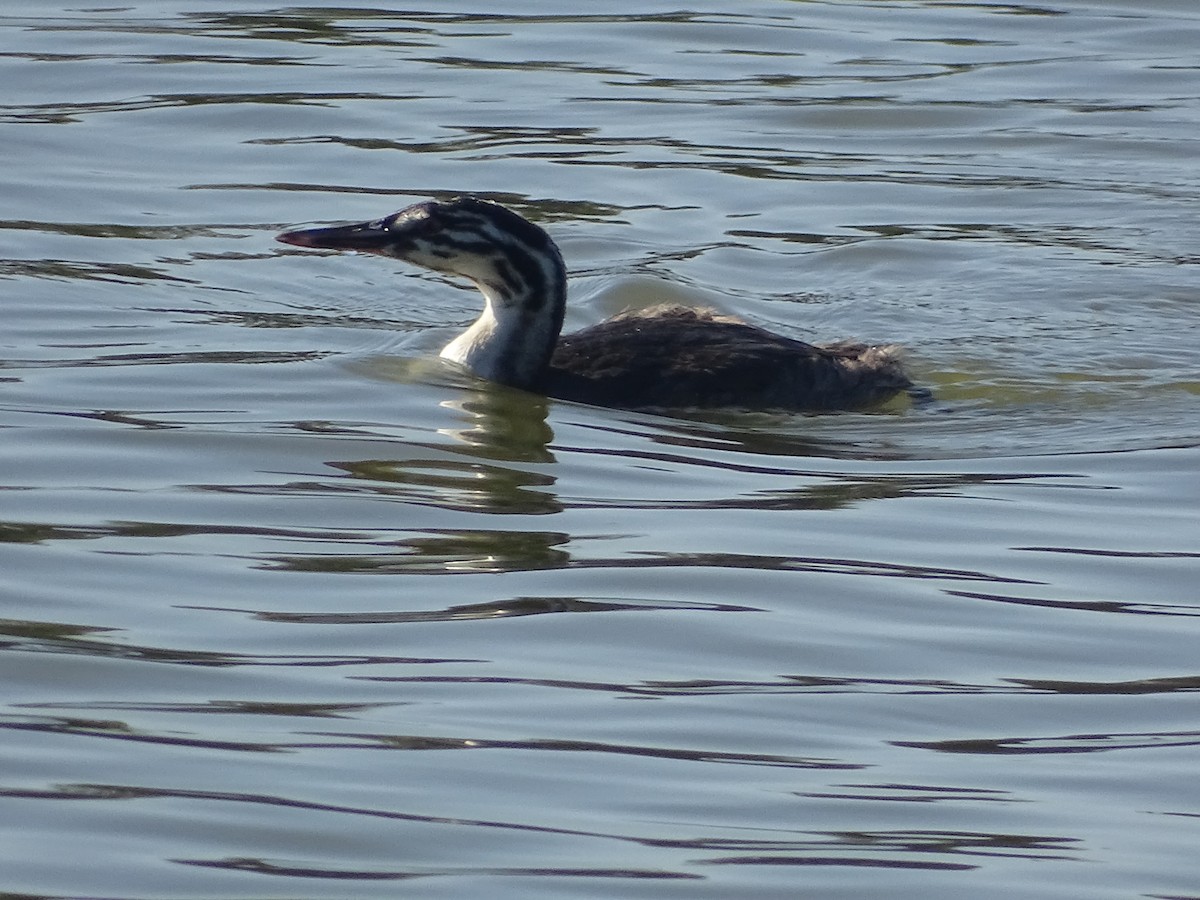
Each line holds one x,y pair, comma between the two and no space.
291,609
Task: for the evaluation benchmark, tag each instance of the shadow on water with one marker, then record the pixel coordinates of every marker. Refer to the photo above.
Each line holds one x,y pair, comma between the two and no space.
1071,743
1135,607
82,640
883,849
500,609
482,552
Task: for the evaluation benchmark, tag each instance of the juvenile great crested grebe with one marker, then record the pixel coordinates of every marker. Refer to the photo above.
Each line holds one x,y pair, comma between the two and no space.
660,358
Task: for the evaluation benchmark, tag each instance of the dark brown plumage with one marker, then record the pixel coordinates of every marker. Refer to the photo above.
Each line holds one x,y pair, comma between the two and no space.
667,357
715,361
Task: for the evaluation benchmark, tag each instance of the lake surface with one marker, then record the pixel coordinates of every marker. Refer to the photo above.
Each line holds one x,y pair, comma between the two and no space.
292,609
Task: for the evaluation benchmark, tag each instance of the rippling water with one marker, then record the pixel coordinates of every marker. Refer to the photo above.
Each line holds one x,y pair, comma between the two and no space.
290,609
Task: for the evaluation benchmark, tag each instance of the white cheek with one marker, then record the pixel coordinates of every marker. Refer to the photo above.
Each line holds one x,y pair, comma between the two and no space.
480,271
439,261
422,256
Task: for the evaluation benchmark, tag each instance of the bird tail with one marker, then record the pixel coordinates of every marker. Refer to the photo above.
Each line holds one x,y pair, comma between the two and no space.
884,365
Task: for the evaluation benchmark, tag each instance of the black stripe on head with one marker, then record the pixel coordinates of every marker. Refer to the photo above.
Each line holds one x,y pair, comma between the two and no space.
472,225
462,241
464,209
514,284
528,276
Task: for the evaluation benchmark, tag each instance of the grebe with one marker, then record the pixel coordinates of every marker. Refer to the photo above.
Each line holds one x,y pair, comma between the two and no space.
668,357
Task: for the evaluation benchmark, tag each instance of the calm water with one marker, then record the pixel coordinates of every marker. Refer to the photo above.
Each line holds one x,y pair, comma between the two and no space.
292,610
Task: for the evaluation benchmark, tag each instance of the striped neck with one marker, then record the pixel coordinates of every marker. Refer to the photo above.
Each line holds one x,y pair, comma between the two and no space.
525,293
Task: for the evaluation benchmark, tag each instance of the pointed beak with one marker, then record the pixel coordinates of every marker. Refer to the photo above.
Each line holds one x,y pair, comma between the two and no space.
368,237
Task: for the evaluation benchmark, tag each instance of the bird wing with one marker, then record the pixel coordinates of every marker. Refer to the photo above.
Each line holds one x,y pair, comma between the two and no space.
679,357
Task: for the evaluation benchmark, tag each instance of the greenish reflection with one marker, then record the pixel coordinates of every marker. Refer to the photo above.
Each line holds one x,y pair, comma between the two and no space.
503,423
456,484
498,425
463,552
489,552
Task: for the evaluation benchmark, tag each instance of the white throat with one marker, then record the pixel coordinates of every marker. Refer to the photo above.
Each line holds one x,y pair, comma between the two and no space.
503,344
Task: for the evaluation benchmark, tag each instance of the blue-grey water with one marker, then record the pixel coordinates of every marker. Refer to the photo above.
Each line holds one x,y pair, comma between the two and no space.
292,609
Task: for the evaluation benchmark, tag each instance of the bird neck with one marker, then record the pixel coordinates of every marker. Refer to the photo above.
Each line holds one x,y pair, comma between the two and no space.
513,339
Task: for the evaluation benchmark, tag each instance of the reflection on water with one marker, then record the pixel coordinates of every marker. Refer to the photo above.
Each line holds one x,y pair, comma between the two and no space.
518,606
255,538
1077,743
464,486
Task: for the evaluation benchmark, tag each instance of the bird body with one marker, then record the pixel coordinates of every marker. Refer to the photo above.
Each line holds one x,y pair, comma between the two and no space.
667,357
715,361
